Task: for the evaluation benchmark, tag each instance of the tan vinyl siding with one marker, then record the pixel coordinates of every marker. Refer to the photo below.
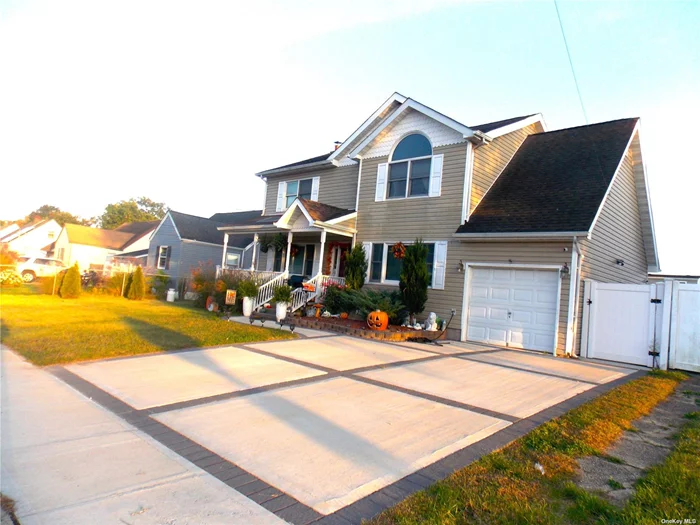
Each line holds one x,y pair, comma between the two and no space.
489,160
432,218
337,187
616,235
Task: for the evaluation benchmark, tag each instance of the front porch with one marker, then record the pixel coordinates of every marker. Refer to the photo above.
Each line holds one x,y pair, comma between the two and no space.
306,248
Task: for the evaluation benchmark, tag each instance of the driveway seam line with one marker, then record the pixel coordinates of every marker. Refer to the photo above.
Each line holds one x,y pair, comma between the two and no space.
107,401
513,367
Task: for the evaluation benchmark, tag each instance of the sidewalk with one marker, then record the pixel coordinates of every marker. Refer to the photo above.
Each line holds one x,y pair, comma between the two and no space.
66,460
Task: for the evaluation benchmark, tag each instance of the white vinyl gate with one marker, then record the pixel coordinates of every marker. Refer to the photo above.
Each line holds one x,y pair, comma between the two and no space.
628,322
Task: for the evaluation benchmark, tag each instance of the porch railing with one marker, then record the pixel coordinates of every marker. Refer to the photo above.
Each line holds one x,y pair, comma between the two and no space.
325,282
267,290
256,276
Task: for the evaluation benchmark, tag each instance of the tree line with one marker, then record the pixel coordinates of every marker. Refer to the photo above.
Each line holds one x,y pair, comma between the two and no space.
140,209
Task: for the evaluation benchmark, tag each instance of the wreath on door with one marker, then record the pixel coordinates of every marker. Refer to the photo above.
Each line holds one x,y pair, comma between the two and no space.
399,250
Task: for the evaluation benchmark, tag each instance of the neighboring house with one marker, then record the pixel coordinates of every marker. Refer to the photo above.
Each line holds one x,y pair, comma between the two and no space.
136,252
33,239
6,231
182,242
663,277
515,217
92,248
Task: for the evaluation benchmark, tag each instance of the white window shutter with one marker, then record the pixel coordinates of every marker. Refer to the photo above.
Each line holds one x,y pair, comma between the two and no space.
436,175
314,188
381,182
281,196
367,247
439,264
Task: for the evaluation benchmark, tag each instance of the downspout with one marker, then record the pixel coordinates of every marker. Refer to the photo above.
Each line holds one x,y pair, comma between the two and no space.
578,292
573,286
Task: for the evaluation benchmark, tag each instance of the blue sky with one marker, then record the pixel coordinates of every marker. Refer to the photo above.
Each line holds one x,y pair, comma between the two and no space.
184,101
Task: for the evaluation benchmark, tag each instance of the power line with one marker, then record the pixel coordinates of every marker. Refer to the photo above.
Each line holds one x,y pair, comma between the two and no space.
571,63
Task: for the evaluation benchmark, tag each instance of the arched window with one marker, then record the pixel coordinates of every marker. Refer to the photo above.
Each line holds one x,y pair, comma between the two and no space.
409,168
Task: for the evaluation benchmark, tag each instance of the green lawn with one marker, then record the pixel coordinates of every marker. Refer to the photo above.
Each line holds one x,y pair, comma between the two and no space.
506,487
49,330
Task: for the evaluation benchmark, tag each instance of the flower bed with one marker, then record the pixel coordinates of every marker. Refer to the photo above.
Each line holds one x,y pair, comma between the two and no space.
359,328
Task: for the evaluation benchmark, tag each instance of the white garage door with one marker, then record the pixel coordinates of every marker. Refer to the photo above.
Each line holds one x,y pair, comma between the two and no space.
514,308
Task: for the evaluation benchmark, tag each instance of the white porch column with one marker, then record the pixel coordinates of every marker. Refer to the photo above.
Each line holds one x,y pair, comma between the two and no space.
289,251
223,255
255,252
320,253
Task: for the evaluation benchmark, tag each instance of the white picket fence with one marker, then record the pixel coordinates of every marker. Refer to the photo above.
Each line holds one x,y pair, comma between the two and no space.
628,323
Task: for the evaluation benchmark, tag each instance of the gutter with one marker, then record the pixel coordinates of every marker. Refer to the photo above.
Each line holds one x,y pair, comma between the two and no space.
318,164
500,236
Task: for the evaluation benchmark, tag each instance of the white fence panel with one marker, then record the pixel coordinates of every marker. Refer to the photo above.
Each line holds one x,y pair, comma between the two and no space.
620,322
684,344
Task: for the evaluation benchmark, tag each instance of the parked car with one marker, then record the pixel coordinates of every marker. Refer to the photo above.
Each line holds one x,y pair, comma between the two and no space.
32,267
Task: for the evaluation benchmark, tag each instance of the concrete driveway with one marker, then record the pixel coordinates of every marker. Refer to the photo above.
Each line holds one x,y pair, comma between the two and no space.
335,429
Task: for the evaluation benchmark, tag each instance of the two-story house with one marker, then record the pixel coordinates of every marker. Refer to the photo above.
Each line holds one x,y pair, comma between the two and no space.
515,216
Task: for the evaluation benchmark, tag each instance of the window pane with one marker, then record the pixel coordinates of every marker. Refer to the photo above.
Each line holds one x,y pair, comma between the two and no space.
398,173
393,267
376,269
290,200
420,177
430,260
309,263
292,188
232,259
412,146
305,188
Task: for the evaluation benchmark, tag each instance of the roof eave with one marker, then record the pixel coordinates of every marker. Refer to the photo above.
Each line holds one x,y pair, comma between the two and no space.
291,169
504,236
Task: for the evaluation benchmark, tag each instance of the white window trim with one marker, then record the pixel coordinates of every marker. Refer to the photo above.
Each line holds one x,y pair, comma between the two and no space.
296,196
408,177
158,257
385,253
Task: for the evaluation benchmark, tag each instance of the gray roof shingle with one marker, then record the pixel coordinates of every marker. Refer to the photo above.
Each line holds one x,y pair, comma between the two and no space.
555,182
201,229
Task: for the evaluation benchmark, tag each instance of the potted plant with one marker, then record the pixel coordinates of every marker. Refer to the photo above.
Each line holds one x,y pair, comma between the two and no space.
282,297
248,290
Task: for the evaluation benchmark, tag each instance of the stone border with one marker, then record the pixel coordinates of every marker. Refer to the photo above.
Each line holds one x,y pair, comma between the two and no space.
289,508
384,336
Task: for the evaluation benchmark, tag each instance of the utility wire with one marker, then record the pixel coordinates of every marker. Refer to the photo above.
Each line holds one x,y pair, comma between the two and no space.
571,63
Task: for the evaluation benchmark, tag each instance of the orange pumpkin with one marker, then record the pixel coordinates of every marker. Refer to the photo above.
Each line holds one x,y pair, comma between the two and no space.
378,320
343,315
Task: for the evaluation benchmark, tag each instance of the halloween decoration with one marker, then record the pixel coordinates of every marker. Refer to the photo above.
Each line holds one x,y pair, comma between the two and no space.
378,320
399,250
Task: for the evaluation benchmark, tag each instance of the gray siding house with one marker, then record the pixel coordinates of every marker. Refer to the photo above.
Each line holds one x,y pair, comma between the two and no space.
182,242
515,217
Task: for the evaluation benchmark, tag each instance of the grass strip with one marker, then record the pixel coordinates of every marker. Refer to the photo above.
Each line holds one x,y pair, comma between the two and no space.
531,480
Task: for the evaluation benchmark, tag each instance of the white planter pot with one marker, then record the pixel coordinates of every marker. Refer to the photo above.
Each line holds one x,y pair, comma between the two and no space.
247,306
281,311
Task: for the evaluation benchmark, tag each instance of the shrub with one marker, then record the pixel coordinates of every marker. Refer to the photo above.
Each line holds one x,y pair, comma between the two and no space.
337,300
413,281
247,288
355,267
283,294
159,284
366,301
46,284
205,284
10,277
70,284
137,287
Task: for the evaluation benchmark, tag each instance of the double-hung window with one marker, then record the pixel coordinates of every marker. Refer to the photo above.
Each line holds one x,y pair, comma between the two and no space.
162,257
409,168
298,188
384,268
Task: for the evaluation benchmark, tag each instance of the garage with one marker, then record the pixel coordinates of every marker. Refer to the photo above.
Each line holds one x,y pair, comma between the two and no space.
513,307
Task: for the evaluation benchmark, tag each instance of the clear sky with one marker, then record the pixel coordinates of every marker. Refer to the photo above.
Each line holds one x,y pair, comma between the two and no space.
184,101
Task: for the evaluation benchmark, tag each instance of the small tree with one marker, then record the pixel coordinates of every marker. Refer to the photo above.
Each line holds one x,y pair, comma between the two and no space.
137,286
413,281
70,286
355,268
